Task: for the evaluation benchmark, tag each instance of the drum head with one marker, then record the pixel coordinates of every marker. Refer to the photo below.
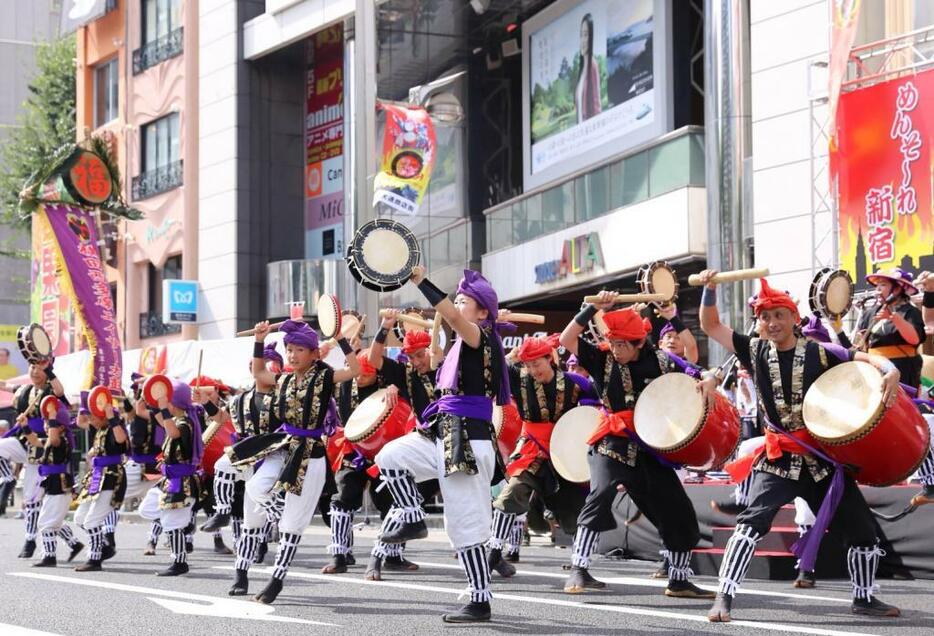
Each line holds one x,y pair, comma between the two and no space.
497,419
98,398
836,294
34,343
366,417
382,255
843,400
155,387
814,290
49,406
659,278
350,322
668,411
569,443
329,316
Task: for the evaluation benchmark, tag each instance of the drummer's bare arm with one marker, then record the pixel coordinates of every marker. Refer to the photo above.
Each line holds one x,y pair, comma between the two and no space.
710,317
905,329
468,331
352,370
890,374
83,421
165,419
670,313
57,388
576,327
116,424
55,436
379,342
258,367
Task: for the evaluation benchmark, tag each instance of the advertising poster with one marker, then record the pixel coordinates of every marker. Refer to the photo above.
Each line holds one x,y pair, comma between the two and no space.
50,307
407,159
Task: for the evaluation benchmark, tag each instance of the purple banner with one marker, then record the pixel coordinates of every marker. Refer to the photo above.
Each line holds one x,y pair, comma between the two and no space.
83,277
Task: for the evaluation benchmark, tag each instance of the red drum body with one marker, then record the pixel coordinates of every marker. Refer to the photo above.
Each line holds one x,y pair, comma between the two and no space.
843,410
672,418
508,427
213,450
373,424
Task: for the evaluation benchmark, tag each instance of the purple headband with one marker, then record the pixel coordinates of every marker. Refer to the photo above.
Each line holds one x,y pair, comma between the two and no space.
473,284
668,328
181,399
270,353
298,333
815,329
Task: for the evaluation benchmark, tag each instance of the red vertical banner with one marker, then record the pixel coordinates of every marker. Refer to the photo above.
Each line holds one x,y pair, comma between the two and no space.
844,18
886,172
49,306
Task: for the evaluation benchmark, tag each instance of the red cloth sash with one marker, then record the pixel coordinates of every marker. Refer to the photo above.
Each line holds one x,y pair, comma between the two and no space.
775,446
618,423
537,444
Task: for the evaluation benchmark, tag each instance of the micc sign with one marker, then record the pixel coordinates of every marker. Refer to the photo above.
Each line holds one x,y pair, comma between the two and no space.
579,254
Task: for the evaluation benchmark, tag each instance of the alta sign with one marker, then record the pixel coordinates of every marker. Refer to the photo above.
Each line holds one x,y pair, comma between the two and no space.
578,255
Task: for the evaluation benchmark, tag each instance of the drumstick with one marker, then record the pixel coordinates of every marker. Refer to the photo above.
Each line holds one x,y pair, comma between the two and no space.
632,298
730,277
435,331
360,326
412,320
535,319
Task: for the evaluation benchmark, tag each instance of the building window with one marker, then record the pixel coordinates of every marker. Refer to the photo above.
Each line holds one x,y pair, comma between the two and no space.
106,78
162,34
161,165
150,322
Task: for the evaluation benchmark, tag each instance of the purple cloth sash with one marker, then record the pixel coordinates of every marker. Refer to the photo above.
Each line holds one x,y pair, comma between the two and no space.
98,464
476,407
585,385
315,433
143,459
686,367
14,431
175,473
52,469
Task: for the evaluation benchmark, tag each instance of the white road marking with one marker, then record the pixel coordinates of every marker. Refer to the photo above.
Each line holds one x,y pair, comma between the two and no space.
631,580
16,630
618,609
221,607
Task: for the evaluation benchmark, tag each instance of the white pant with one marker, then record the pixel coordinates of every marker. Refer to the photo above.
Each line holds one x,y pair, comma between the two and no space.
92,513
240,473
53,511
298,508
12,450
468,511
171,518
136,484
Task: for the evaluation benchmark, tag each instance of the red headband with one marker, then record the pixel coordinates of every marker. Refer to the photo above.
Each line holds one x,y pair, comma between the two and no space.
769,298
534,348
624,324
363,357
415,341
205,382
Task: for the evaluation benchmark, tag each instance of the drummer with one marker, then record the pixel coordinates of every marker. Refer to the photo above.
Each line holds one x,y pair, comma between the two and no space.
249,411
457,439
615,459
675,337
542,393
104,484
415,383
302,412
785,364
15,448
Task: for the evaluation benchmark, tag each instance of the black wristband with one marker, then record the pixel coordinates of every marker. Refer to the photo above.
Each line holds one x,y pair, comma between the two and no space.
166,414
431,293
381,335
211,409
585,315
676,324
49,374
127,405
345,346
928,300
258,349
116,420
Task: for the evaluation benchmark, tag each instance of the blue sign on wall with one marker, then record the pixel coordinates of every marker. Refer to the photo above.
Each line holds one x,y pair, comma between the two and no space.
179,301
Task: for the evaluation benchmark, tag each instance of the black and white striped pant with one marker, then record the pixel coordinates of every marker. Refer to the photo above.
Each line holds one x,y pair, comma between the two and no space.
679,565
177,541
391,522
288,547
67,535
247,545
404,493
224,485
6,471
741,492
863,562
502,527
49,543
517,534
477,568
341,530
96,542
31,517
585,542
155,531
110,523
736,558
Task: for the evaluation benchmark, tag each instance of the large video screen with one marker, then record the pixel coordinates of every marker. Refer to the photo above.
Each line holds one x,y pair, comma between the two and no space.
595,74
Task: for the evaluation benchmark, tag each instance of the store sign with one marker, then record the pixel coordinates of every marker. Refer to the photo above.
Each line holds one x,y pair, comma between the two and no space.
578,255
179,301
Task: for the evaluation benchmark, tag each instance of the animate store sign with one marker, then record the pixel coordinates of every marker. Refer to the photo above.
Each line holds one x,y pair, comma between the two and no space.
580,254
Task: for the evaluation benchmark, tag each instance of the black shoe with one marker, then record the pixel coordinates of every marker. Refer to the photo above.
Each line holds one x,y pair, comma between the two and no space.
662,571
350,559
189,547
407,532
92,565
261,551
110,540
512,557
108,552
241,584
470,613
874,607
218,521
495,559
805,580
400,564
727,507
75,551
581,581
686,589
46,562
374,569
220,547
720,611
174,570
29,548
150,549
338,565
270,592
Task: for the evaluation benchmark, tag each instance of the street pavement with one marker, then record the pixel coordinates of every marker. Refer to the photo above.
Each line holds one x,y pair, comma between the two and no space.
128,599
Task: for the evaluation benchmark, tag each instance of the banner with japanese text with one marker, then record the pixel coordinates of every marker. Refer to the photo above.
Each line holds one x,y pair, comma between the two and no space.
408,157
50,308
885,171
81,277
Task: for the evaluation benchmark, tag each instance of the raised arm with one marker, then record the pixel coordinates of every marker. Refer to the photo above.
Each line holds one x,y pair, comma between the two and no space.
351,369
710,317
926,284
468,331
379,342
576,327
258,366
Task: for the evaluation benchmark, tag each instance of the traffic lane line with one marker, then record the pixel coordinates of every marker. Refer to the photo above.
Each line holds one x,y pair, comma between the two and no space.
521,598
16,630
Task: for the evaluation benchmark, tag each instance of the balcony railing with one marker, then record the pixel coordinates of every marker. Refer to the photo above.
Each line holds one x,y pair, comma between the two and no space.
159,50
154,182
671,162
151,326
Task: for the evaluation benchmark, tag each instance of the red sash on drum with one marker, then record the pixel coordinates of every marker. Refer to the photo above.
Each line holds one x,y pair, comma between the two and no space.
775,446
338,448
537,445
618,423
